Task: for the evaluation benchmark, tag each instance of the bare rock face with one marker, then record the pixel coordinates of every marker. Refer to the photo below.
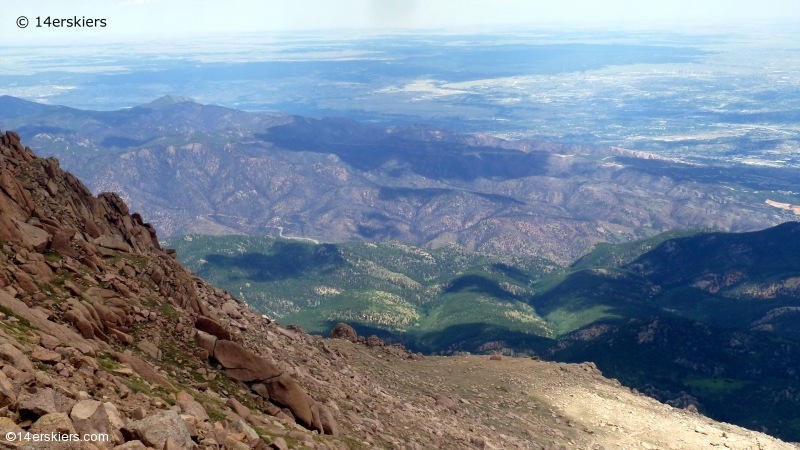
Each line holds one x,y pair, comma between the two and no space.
446,402
113,243
94,417
190,407
286,392
329,424
30,237
344,331
8,397
44,355
7,426
144,369
243,364
16,358
213,328
279,444
206,341
153,431
131,445
53,423
375,341
62,244
45,401
237,407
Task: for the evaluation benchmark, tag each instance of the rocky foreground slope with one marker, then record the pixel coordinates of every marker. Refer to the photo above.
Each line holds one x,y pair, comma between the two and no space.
103,331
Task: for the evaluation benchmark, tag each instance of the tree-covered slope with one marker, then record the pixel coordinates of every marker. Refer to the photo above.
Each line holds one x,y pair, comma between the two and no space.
697,318
400,292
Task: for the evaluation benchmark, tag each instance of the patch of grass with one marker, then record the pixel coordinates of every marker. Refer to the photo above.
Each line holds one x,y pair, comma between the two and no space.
353,444
52,256
566,321
216,415
292,442
167,398
136,384
204,399
169,311
22,321
107,362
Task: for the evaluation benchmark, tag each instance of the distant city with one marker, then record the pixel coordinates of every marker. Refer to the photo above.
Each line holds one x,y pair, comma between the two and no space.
710,97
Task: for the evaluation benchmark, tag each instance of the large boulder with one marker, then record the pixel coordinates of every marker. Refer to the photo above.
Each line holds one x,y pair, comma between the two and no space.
15,357
142,368
131,445
213,328
58,423
45,401
190,407
8,396
154,431
243,364
8,426
31,237
63,245
44,355
375,341
237,407
344,331
279,444
93,417
231,308
284,391
329,424
113,243
446,402
206,341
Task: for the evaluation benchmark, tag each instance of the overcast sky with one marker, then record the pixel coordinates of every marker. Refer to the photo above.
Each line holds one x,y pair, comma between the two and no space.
155,18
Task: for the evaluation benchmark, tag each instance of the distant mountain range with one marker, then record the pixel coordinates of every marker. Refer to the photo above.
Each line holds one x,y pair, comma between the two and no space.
699,318
193,168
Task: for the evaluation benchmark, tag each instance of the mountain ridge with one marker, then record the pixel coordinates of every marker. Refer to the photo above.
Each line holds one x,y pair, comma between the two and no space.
234,172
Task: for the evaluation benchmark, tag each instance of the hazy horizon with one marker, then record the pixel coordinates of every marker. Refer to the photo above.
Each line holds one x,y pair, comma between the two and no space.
148,19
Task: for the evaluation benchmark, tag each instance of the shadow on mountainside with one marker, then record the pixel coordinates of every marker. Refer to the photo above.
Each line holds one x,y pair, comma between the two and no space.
285,260
368,148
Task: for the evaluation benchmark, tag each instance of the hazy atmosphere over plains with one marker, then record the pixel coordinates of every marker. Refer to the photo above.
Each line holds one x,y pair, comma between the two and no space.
153,18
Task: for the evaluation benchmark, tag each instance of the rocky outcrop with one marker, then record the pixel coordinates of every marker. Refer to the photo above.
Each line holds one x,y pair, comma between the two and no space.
242,364
156,430
43,402
212,327
284,391
270,382
344,331
94,417
8,395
